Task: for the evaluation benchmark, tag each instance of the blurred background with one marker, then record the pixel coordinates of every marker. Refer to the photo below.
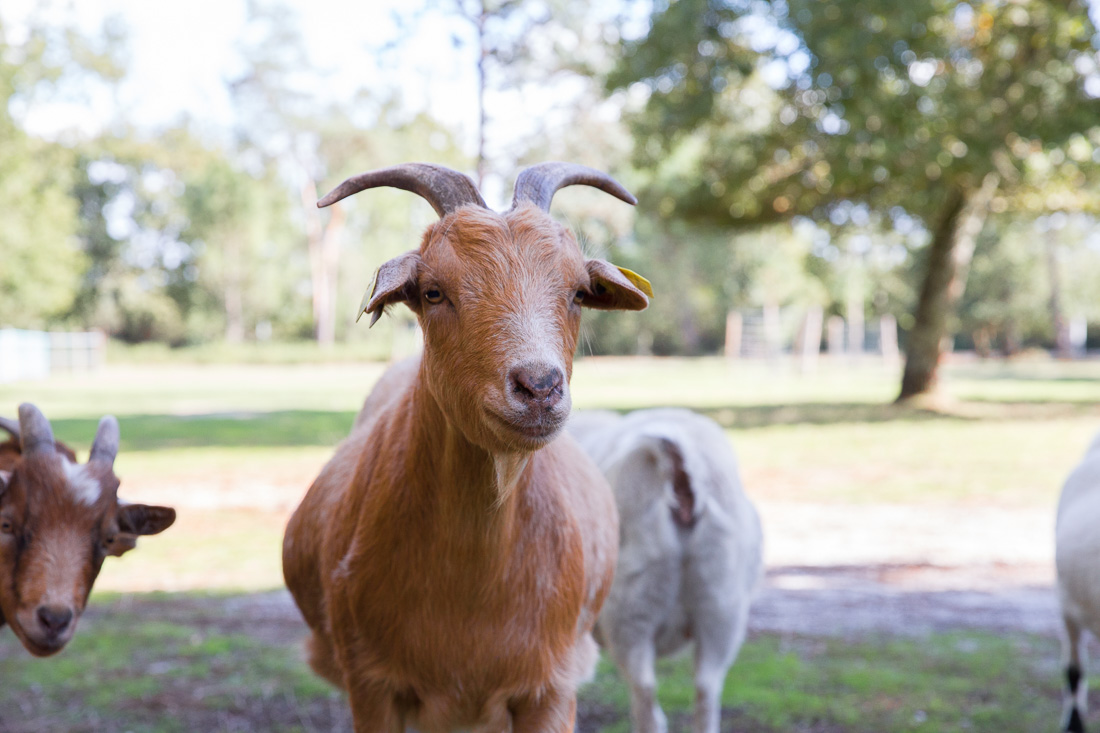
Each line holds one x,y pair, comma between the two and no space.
841,203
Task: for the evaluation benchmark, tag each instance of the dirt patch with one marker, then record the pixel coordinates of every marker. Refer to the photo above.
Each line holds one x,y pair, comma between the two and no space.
904,600
816,601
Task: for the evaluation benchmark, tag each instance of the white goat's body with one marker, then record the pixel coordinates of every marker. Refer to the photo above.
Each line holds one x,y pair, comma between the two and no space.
689,555
1077,559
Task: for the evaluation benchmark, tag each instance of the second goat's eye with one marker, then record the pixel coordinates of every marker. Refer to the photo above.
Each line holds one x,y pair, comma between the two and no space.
433,295
7,526
578,297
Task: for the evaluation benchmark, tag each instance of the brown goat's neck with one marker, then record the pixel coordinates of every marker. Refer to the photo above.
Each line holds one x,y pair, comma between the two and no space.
465,480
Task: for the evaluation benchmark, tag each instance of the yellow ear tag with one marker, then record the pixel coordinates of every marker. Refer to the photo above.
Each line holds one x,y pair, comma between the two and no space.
639,282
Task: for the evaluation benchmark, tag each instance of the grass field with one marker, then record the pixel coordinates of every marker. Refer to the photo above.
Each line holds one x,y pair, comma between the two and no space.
180,635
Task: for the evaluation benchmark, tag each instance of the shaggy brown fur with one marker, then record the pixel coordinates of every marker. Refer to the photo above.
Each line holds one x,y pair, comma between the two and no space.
452,557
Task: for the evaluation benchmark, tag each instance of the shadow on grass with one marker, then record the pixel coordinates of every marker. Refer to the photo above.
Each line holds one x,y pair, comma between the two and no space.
238,429
836,413
319,428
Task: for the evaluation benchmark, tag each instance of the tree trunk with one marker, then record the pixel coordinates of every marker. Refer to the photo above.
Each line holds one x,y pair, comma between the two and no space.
324,251
1062,348
232,292
483,54
948,263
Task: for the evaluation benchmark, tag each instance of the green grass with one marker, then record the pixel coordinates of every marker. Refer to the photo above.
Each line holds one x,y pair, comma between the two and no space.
287,428
205,435
968,681
166,663
223,549
184,662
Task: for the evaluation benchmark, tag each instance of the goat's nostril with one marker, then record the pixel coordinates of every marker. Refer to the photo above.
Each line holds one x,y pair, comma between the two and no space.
55,618
543,386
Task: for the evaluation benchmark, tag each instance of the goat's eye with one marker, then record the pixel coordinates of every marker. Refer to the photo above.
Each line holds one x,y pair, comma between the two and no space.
7,526
109,539
578,297
433,295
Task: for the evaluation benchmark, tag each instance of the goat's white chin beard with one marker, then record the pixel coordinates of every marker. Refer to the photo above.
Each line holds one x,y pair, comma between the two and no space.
43,649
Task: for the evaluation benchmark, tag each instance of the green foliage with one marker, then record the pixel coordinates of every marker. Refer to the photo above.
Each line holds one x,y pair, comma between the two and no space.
40,265
953,681
879,102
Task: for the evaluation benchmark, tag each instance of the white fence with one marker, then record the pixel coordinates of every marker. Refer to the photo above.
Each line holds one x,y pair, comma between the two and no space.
769,332
38,354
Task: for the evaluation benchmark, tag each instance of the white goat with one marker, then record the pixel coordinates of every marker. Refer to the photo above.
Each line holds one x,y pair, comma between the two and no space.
1077,558
689,554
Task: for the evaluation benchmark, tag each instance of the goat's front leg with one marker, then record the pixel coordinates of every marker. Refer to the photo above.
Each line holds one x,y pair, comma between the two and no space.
637,665
719,633
552,712
1075,703
373,709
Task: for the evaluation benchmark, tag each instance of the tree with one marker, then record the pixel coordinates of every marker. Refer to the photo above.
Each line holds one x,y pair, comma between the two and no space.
286,131
41,262
770,110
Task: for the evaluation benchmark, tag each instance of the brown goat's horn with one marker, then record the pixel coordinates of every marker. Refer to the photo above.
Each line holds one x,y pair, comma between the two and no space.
105,445
11,426
34,430
443,188
539,183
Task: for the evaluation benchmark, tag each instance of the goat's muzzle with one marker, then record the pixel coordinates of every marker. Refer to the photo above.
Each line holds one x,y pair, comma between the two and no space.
535,407
49,629
539,388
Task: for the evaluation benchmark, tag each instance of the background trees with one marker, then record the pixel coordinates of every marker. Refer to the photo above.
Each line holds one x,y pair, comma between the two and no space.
795,108
848,156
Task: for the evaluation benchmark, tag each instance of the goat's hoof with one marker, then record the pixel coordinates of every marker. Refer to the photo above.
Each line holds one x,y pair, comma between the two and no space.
1075,724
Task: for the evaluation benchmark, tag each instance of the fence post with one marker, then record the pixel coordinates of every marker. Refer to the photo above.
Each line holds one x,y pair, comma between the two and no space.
888,339
834,337
733,334
809,342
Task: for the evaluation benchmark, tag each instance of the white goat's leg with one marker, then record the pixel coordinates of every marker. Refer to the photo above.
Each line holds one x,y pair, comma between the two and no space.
636,663
1076,695
718,638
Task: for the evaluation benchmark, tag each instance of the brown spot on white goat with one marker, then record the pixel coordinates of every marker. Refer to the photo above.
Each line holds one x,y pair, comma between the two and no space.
453,555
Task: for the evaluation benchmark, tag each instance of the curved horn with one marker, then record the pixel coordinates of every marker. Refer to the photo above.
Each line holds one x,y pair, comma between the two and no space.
443,188
105,445
11,426
34,430
539,183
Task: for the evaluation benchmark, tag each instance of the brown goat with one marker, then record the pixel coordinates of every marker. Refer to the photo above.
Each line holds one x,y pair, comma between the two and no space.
58,521
452,557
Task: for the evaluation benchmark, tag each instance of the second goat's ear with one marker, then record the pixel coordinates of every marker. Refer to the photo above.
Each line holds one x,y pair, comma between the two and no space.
395,282
613,288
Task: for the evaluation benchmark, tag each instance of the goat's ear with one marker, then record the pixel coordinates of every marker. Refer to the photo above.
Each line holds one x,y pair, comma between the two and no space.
614,288
395,282
121,544
138,519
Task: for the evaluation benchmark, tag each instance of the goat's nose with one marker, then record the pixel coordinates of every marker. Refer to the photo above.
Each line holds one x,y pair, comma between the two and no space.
539,386
55,619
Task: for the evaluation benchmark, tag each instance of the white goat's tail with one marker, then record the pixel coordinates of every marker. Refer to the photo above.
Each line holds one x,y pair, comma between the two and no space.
683,500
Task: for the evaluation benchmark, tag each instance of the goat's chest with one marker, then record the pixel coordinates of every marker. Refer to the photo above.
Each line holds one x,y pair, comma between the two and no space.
478,607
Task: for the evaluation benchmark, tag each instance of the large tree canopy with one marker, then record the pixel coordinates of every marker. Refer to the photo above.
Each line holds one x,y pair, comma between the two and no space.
759,111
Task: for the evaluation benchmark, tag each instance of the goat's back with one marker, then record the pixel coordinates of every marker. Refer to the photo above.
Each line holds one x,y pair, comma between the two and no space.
690,540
